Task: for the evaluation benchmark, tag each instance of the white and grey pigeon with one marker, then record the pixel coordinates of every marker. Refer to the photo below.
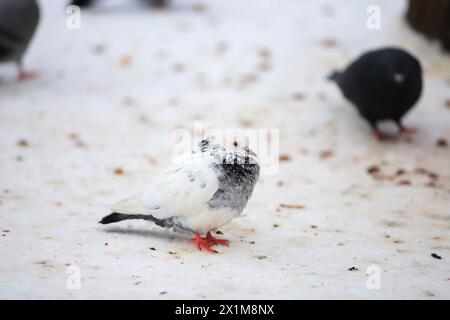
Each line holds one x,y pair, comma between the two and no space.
199,192
18,22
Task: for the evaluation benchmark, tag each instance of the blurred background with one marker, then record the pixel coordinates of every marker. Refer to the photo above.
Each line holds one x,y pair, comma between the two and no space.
96,124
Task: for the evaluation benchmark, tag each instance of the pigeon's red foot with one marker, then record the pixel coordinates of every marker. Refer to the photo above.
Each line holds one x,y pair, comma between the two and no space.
406,130
26,75
209,237
203,243
380,136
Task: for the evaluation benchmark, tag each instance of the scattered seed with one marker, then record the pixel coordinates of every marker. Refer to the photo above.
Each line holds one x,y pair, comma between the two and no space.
285,157
326,154
22,143
442,143
179,67
292,206
152,249
329,42
118,171
353,269
373,170
265,53
299,96
98,49
404,182
434,255
199,7
125,61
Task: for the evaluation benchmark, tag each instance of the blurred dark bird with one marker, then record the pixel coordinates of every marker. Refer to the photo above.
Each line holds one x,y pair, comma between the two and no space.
383,84
18,22
87,3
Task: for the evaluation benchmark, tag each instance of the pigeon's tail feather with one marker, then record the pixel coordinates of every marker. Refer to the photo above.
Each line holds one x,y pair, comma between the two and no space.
116,217
334,76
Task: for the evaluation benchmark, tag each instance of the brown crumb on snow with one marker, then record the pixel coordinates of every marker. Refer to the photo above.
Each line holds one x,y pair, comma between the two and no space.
199,7
75,137
6,231
152,161
325,154
404,182
22,143
353,269
298,96
313,226
329,42
118,171
285,157
179,67
447,103
265,53
442,143
98,48
246,123
372,170
292,206
125,61
106,244
264,66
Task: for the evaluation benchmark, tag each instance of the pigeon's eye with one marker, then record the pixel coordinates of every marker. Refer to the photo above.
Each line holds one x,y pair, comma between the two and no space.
236,144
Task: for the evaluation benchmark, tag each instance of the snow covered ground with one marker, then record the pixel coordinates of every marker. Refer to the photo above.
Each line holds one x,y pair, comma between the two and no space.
96,126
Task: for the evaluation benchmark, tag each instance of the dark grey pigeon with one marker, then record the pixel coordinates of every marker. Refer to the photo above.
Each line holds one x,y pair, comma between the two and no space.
87,3
383,84
18,22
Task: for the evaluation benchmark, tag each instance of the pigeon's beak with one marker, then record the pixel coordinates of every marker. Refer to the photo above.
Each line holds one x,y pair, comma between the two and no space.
250,152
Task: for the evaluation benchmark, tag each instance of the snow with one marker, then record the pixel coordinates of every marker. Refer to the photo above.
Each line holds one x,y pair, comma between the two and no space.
110,95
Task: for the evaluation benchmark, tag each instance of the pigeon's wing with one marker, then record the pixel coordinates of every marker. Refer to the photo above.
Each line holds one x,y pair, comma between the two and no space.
132,205
183,189
18,21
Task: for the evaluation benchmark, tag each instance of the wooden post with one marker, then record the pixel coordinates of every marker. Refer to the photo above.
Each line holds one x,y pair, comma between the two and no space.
432,18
